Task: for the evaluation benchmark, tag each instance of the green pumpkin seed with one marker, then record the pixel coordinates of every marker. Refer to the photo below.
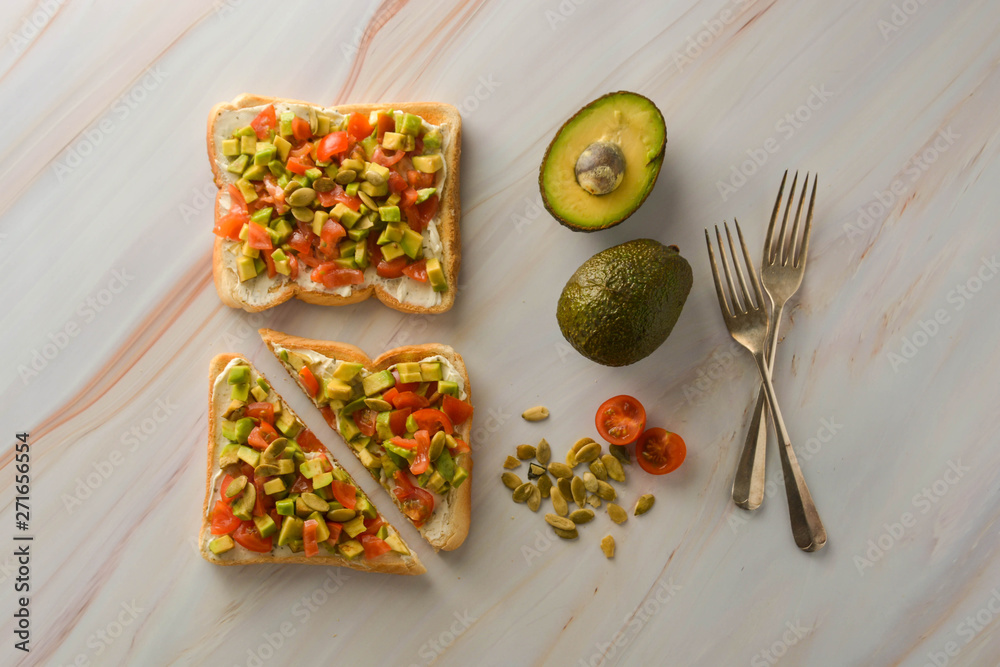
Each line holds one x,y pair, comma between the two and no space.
644,504
560,470
578,490
525,452
511,462
266,470
340,515
557,521
594,501
605,491
621,453
302,213
535,414
608,546
580,443
534,499
566,534
345,176
590,482
600,471
544,484
236,486
522,492
274,450
315,503
543,452
324,184
581,516
565,487
614,468
589,452
617,513
535,471
559,503
301,197
437,445
510,480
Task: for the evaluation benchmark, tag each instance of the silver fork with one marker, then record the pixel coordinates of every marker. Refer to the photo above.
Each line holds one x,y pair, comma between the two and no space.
781,273
747,323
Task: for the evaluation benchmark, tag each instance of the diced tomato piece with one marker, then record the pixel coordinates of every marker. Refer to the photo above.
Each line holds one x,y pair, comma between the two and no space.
272,271
393,269
335,529
405,443
332,233
301,129
330,416
331,198
380,157
226,480
419,180
457,411
223,521
408,198
417,504
296,166
301,484
358,126
374,250
259,438
417,270
409,399
374,547
309,544
229,225
248,538
263,411
344,493
365,421
433,420
264,122
422,460
428,209
462,447
330,145
277,518
259,238
300,241
396,182
293,267
331,275
270,433
372,525
303,152
389,395
237,204
262,502
309,260
309,380
246,469
386,123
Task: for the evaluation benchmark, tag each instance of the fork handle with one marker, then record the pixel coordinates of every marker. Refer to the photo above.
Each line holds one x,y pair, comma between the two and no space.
807,528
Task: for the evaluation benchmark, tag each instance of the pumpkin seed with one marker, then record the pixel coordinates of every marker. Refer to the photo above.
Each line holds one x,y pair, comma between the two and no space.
340,515
565,487
605,491
589,482
614,468
559,503
578,444
534,470
571,459
274,450
302,213
511,463
235,487
291,187
589,452
644,504
608,546
598,468
510,480
544,484
560,469
522,492
617,513
301,197
378,405
437,445
543,452
621,453
566,534
344,176
581,516
593,501
578,490
315,503
266,470
525,452
324,184
535,414
534,499
557,521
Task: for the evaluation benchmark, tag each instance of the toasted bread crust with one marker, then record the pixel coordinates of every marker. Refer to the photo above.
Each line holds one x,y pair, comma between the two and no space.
390,563
460,499
448,217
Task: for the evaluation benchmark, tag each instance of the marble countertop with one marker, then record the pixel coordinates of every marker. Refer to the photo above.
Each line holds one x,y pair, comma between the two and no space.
886,373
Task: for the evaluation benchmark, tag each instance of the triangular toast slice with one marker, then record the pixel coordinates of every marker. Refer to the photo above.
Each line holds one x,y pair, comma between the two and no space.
275,494
388,410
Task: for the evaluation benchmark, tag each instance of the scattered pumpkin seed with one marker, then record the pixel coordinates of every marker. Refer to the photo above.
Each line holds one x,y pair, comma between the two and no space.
534,499
535,414
644,504
522,492
588,452
571,459
559,503
608,546
510,480
566,534
598,468
511,463
621,453
617,513
340,515
594,501
578,490
557,521
543,452
544,484
614,468
605,491
581,516
565,487
301,197
589,482
525,452
236,486
535,471
560,469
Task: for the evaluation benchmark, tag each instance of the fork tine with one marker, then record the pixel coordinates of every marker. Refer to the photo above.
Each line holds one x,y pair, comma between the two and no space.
738,308
793,240
782,253
803,251
726,312
747,301
754,278
768,245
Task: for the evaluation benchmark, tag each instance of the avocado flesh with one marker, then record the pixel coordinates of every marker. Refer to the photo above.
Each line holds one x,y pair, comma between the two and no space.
635,125
622,303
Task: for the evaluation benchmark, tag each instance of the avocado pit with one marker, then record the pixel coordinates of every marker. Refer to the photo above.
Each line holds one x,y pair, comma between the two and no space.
600,168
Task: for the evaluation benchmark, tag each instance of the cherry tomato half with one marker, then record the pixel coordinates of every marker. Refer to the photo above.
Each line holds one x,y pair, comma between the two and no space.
620,420
659,451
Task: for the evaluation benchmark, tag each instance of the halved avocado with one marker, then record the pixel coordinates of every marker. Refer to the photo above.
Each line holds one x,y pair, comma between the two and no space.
603,162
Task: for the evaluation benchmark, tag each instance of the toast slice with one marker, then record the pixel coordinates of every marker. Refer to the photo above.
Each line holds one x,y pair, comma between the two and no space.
366,402
421,227
284,479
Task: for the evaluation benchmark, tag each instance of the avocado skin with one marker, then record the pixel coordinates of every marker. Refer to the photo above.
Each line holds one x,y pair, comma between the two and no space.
622,303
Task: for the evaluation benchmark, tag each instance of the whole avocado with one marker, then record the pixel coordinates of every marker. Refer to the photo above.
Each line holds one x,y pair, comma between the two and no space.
622,303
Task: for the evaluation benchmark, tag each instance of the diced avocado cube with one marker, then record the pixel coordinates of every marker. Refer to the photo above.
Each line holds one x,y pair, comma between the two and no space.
389,213
291,530
361,254
238,165
277,169
230,147
360,442
411,423
368,144
352,189
407,454
285,506
311,468
245,131
243,428
322,530
274,486
433,140
319,219
228,429
284,146
428,163
445,465
461,474
265,525
382,532
409,123
338,390
230,455
322,125
245,232
283,228
376,173
395,231
232,408
350,549
409,371
435,275
423,194
252,253
241,392
262,383
239,375
349,218
322,479
258,393
265,153
259,265
436,482
355,526
378,382
374,190
395,543
389,465
431,371
247,190
394,141
221,545
285,124
250,455
391,251
248,144
255,173
412,243
367,459
446,387
285,466
288,425
346,262
346,370
382,428
348,429
297,361
313,173
357,234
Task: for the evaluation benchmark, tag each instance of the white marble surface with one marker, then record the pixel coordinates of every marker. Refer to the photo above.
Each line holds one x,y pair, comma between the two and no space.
104,255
